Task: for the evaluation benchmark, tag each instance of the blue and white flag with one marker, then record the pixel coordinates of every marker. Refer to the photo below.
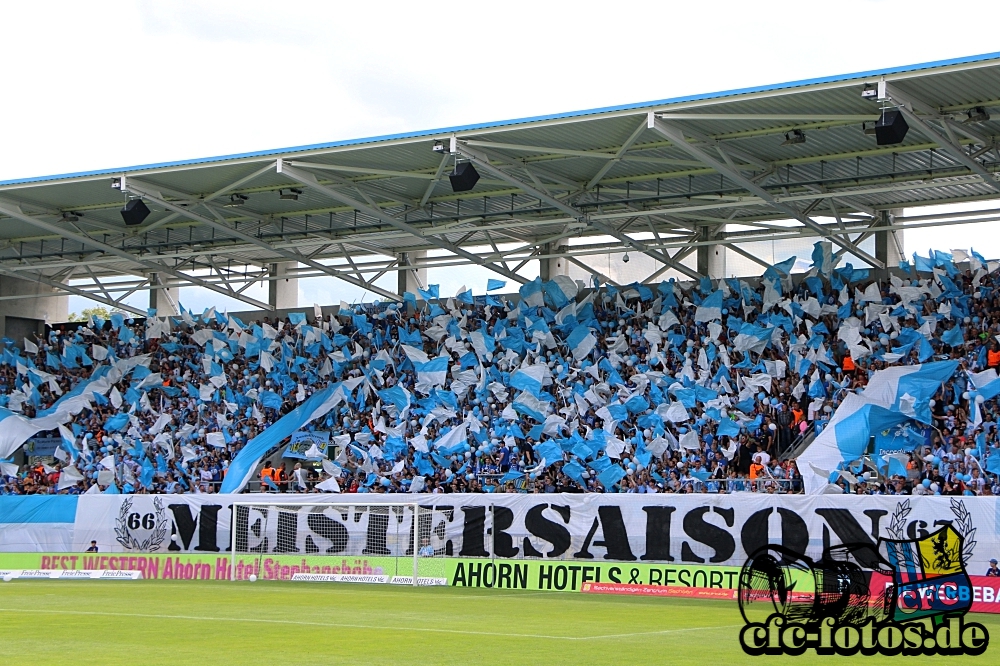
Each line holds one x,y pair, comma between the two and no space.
581,341
710,309
243,465
433,372
527,404
822,257
531,293
528,379
892,396
493,285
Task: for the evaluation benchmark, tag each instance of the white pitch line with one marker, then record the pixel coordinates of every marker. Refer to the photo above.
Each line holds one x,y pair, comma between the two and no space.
201,618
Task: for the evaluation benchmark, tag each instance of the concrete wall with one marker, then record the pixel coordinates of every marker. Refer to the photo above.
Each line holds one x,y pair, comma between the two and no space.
37,307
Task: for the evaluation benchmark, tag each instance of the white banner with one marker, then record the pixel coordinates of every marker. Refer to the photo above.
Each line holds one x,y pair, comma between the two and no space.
695,529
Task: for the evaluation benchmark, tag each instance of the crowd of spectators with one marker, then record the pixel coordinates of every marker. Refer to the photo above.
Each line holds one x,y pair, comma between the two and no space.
702,387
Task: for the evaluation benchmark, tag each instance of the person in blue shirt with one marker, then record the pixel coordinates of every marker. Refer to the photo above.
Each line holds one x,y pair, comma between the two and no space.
993,571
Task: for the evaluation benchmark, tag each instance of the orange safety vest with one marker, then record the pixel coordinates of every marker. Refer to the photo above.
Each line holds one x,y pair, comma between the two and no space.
848,364
993,358
267,472
756,470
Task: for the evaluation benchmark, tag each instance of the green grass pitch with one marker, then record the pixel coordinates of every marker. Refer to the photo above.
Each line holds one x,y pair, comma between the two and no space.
268,623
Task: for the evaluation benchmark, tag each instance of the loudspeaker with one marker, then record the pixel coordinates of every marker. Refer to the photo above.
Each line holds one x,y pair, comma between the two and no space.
890,128
134,212
464,177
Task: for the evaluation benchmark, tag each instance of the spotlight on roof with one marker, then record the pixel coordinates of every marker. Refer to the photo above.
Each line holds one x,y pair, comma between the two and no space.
292,195
438,147
793,137
71,216
977,114
116,183
890,128
236,200
134,212
464,177
625,258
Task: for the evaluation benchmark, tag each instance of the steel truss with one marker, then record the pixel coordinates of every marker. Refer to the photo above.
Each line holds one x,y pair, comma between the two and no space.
666,182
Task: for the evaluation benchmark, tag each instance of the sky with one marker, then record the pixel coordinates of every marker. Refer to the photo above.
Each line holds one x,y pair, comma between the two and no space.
90,86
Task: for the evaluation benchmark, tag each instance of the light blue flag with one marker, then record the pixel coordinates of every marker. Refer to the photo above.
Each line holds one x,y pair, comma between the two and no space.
396,396
785,266
433,291
728,427
993,461
953,337
512,475
922,264
296,318
574,470
611,476
493,285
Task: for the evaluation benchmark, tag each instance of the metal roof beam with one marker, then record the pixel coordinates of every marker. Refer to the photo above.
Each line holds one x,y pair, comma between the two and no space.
220,225
106,300
12,210
484,162
617,157
776,117
908,104
676,135
374,211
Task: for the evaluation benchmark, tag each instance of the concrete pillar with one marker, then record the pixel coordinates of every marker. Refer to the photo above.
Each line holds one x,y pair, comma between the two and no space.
283,293
549,268
889,245
711,258
164,301
411,280
40,304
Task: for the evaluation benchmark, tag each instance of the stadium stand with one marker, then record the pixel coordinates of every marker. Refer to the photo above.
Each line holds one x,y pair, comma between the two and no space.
690,388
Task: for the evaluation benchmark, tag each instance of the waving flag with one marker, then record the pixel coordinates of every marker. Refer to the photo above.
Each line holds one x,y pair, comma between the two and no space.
243,465
581,341
710,309
892,397
493,285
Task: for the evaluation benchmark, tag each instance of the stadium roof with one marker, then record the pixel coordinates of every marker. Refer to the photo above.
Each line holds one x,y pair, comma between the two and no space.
661,178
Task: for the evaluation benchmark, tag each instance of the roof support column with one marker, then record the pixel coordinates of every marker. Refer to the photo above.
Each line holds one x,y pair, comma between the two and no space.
283,293
888,244
411,279
711,258
164,300
550,267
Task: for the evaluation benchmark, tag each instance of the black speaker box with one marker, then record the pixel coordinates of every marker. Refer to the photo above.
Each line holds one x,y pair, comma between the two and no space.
890,128
464,177
134,212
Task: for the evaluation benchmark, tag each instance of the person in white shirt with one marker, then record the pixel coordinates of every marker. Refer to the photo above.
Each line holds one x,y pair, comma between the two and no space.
299,478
